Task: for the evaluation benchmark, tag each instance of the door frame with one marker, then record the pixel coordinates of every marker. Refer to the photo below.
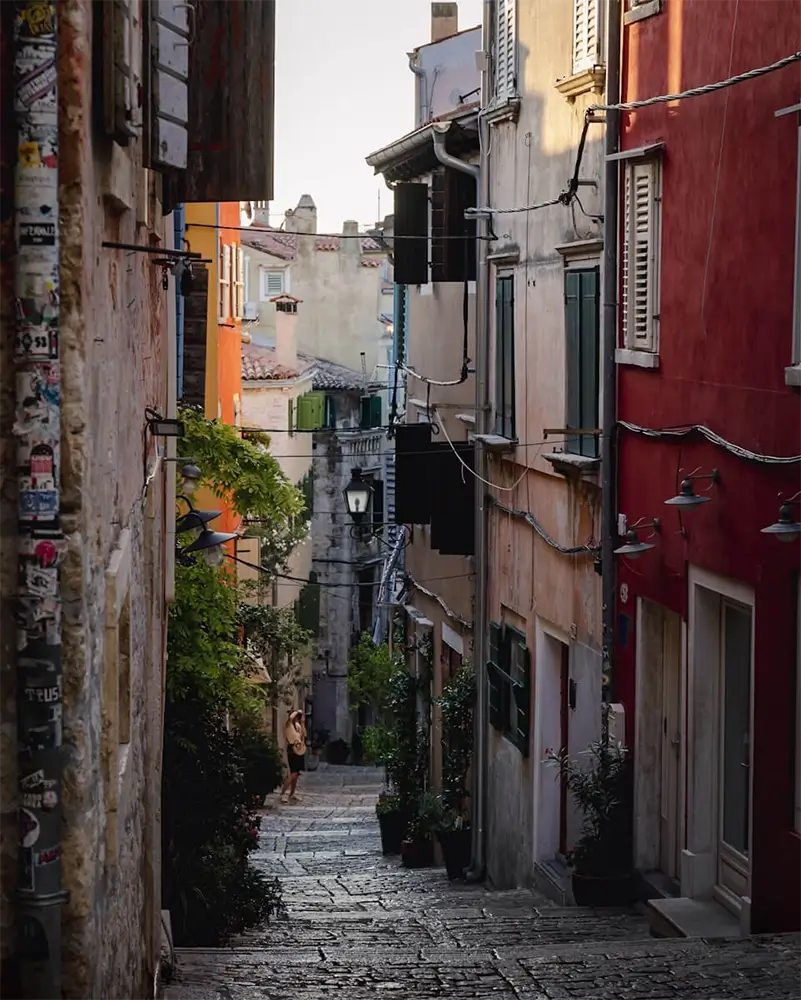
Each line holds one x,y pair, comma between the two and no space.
647,821
699,859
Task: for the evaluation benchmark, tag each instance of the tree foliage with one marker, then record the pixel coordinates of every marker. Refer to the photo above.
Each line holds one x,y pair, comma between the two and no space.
370,669
456,706
275,636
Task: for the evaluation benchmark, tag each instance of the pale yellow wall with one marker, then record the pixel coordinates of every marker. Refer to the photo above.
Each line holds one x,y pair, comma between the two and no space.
341,303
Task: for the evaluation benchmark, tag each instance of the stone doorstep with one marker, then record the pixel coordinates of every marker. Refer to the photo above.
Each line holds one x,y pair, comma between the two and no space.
552,879
691,918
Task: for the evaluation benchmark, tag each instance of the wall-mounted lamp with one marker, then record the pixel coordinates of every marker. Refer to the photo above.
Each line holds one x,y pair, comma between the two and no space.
195,520
787,528
357,496
687,497
190,478
163,426
633,547
210,543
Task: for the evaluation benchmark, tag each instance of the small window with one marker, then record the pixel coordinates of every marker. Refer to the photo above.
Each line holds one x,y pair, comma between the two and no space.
640,298
272,283
586,35
370,412
224,293
504,356
330,412
505,50
509,679
239,282
581,353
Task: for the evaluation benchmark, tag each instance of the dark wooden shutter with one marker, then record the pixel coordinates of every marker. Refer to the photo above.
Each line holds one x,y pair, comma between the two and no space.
453,491
504,356
439,260
453,238
330,412
410,249
375,411
231,101
364,415
413,474
166,136
520,670
194,340
582,333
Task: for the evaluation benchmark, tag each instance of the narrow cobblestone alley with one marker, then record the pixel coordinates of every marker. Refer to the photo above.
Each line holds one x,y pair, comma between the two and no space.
362,926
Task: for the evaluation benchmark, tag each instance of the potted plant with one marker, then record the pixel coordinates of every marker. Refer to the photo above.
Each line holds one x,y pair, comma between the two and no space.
453,827
601,859
392,822
417,848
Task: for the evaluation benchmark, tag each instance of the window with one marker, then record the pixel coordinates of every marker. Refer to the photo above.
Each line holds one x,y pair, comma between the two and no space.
224,293
238,297
291,416
246,278
640,300
586,35
310,411
122,69
509,679
505,50
330,413
272,283
504,356
581,352
370,412
451,662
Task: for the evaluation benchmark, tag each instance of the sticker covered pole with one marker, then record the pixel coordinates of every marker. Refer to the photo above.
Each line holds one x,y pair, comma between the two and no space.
41,543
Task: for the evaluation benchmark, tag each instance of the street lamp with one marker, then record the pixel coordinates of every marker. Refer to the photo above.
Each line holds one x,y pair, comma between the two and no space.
786,528
357,496
210,543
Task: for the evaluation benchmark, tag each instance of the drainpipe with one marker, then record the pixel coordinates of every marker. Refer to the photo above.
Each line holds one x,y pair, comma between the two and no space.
422,102
609,343
475,872
179,227
39,895
438,134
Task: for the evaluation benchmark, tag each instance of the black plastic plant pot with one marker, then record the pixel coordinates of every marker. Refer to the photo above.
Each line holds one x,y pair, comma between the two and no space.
392,826
455,846
417,852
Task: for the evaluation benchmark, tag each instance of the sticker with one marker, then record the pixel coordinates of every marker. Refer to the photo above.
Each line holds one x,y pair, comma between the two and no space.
624,593
43,695
41,582
29,828
36,502
38,399
26,879
36,20
47,548
36,342
35,79
37,234
47,857
33,780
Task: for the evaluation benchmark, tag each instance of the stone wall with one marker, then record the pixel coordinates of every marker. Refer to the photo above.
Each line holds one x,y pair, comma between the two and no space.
114,341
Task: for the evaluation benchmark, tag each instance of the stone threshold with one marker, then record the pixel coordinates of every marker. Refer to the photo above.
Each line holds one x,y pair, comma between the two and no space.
691,918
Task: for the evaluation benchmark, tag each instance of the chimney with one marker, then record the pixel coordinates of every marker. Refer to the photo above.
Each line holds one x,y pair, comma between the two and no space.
303,218
286,318
444,20
351,246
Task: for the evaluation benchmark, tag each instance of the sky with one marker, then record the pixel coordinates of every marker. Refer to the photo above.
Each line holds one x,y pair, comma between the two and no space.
343,89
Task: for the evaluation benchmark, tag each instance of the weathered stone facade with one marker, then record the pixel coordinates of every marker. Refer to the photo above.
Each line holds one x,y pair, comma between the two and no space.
114,342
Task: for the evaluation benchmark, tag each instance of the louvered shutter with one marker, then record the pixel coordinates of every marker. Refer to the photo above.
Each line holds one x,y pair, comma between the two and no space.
375,411
168,106
586,35
377,501
275,283
122,47
520,670
410,249
639,261
505,49
239,282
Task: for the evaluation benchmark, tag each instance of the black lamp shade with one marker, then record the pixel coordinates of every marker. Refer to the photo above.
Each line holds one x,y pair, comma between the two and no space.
357,496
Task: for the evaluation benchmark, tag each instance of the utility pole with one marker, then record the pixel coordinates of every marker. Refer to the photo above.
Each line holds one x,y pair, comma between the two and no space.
37,431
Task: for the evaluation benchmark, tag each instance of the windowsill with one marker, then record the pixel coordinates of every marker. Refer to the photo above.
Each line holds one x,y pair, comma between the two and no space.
792,375
495,442
639,359
568,464
466,418
506,110
642,10
592,79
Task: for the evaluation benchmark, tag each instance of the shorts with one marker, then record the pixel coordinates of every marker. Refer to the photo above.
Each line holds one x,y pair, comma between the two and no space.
296,762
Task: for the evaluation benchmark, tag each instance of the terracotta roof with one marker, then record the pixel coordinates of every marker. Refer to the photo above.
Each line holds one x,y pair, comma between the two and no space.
259,365
284,245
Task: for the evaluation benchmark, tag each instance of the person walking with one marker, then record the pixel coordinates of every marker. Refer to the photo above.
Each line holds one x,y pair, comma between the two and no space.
295,736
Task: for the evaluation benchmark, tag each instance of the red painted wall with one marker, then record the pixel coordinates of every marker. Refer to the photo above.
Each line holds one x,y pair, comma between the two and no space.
726,310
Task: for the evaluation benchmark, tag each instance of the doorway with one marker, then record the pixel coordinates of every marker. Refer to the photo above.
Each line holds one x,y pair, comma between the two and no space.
658,740
717,861
552,705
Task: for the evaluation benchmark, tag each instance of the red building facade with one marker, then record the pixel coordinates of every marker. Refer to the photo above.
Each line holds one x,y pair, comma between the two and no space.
707,638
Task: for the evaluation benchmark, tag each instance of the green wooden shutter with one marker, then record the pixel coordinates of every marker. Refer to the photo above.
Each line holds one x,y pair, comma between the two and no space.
290,416
375,411
521,691
364,420
330,412
310,411
582,333
494,680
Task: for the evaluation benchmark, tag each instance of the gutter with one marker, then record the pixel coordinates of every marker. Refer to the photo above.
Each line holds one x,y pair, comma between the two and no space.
438,133
475,873
414,142
39,894
420,73
608,345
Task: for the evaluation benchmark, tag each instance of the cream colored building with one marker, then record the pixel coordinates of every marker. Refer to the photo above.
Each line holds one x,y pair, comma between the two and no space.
342,281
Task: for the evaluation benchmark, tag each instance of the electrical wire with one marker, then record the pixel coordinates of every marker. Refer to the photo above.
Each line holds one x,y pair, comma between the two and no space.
327,585
495,486
435,597
524,515
714,438
708,88
255,230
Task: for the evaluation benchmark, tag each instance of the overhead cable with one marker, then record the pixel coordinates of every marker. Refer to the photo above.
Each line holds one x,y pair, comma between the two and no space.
495,486
707,88
710,435
524,515
435,597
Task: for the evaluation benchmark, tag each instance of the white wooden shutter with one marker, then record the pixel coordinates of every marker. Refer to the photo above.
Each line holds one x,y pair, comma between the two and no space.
239,282
169,75
639,258
586,34
505,49
122,68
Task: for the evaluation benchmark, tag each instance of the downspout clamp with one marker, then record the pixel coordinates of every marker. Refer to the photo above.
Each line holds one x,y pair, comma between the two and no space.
37,429
438,134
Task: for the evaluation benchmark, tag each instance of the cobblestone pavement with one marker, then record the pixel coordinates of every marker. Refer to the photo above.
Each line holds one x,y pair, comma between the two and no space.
362,926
